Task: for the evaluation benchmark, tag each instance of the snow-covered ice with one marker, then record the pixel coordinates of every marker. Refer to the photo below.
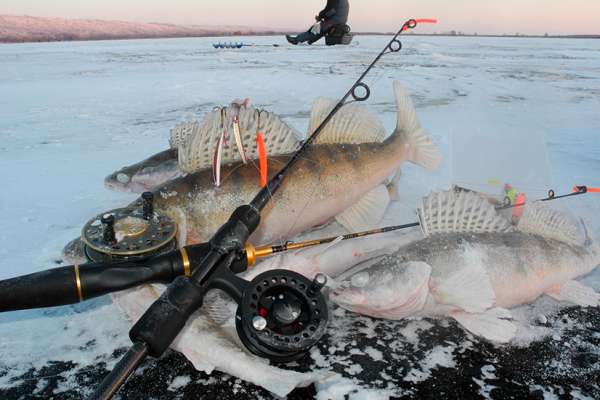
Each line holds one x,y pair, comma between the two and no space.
71,113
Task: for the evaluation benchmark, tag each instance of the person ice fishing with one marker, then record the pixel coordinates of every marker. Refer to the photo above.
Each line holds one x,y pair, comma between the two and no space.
334,14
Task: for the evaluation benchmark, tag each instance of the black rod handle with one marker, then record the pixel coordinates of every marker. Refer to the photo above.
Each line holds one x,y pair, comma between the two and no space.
54,287
75,283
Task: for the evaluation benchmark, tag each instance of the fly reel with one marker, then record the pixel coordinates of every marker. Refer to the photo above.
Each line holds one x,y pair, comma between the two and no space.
129,233
282,315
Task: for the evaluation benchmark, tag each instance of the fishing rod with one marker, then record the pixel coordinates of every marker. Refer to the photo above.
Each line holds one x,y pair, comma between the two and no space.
577,190
75,283
270,337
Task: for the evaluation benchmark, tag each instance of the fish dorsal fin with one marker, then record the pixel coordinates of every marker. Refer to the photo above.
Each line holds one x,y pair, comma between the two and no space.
196,150
353,123
462,212
181,132
542,220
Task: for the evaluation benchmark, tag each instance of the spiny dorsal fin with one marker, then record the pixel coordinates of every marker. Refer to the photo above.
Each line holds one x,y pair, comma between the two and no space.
353,123
542,220
197,148
451,212
180,133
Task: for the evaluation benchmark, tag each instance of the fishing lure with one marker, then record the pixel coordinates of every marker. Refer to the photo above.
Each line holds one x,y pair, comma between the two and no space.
262,153
238,138
216,166
216,163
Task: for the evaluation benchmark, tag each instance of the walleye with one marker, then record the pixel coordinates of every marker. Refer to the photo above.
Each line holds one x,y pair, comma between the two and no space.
146,174
342,180
473,265
190,143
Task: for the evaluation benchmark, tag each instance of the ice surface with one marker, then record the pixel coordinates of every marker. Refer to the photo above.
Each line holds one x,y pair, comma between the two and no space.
70,113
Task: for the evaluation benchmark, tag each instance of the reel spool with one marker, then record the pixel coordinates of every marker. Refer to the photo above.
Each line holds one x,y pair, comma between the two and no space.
282,315
129,233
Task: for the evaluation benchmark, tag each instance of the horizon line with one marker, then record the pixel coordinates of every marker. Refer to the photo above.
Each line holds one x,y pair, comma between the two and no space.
264,31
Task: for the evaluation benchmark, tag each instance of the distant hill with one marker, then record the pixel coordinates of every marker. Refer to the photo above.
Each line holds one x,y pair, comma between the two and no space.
18,29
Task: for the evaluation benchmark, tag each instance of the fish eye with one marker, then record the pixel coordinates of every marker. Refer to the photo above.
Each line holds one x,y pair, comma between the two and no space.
360,279
123,178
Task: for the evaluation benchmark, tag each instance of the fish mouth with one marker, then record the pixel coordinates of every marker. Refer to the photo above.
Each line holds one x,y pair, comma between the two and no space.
349,299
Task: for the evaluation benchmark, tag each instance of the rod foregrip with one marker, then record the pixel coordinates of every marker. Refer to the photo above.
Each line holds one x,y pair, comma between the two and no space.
167,316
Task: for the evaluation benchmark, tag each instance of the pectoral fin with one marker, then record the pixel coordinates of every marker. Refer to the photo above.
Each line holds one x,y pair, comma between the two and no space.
469,288
494,324
367,212
393,185
576,293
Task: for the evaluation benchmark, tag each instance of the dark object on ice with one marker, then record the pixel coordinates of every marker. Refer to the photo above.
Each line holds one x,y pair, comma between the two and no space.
240,45
229,45
331,23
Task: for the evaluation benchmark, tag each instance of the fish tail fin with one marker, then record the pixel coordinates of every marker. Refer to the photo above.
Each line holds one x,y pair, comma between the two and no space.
421,149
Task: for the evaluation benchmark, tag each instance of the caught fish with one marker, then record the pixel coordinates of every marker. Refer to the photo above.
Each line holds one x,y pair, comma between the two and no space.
473,265
190,142
146,174
344,181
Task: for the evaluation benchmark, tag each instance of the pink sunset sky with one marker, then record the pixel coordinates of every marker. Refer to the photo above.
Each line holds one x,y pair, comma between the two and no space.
481,16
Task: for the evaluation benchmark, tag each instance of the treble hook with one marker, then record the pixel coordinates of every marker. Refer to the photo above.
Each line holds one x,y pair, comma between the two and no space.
258,114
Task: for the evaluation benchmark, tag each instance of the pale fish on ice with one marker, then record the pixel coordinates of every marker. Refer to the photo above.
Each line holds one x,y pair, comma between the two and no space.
473,265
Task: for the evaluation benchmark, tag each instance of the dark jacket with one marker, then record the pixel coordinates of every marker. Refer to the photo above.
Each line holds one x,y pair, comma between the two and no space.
336,11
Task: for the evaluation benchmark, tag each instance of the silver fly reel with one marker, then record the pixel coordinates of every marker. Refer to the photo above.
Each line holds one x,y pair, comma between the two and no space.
129,233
